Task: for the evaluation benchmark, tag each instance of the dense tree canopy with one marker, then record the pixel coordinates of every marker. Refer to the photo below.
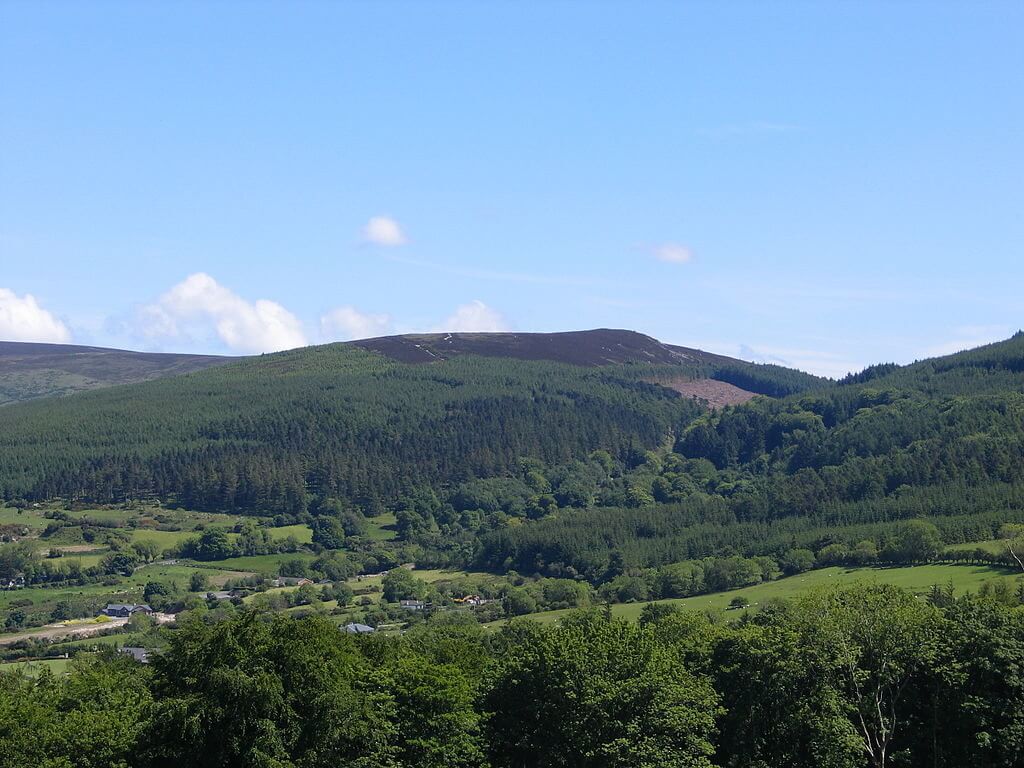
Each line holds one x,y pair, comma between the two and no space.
864,676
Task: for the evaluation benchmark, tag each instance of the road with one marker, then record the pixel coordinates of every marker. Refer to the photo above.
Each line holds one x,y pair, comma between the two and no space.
65,631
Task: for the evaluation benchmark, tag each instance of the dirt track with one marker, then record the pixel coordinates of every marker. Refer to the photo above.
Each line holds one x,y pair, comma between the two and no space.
54,631
61,631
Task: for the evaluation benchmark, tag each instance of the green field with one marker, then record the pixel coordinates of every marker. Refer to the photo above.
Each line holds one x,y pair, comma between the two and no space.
56,666
918,579
86,559
429,575
31,518
301,532
163,539
130,589
107,515
140,525
381,527
265,564
995,546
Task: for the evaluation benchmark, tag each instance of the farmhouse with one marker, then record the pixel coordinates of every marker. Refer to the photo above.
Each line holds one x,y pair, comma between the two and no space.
413,605
221,595
141,655
18,582
358,629
290,581
125,610
472,600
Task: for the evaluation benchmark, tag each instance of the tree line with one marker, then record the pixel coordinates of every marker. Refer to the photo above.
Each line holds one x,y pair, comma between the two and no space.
864,676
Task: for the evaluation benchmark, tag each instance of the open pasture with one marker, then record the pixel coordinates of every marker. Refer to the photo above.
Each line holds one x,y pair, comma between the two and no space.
918,579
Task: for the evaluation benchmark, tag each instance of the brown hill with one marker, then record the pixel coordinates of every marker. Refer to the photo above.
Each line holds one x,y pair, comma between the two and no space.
603,346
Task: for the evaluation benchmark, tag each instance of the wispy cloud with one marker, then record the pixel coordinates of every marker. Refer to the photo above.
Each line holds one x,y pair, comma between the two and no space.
673,253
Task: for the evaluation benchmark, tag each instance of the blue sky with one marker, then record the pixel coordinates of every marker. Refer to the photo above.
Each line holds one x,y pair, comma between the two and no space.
821,184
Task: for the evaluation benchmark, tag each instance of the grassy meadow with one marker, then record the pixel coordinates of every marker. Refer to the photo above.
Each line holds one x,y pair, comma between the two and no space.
918,579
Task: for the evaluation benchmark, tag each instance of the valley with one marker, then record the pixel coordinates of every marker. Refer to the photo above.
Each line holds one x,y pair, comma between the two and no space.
491,487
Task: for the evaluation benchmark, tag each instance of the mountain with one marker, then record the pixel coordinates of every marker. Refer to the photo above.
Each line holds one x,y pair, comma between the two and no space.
489,452
29,371
839,470
602,346
360,422
716,379
550,453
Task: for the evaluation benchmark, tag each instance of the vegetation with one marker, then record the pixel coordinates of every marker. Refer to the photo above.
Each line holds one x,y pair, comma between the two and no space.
865,676
264,433
29,371
486,489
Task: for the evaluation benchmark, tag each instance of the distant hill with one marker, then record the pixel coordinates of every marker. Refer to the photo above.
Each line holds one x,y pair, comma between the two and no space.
29,371
364,421
602,346
715,379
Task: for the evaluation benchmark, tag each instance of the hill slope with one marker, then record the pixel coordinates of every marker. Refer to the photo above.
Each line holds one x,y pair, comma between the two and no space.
833,469
264,433
602,346
29,371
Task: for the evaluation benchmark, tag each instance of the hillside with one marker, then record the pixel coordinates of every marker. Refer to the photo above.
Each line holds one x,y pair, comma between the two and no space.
716,379
833,469
340,420
29,371
602,346
547,466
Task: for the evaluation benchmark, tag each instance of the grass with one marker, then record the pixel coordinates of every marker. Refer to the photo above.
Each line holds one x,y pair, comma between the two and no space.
995,546
301,532
85,559
429,575
267,564
34,667
182,573
917,579
111,515
30,518
93,642
381,527
128,590
163,539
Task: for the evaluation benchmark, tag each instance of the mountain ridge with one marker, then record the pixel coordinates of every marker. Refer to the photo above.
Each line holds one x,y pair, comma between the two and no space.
33,370
592,347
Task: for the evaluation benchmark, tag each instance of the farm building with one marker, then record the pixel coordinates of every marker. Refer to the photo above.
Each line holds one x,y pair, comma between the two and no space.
358,629
125,610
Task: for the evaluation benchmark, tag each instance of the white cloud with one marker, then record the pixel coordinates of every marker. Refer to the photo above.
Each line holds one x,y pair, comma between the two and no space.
673,253
474,317
346,323
383,230
199,304
22,319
